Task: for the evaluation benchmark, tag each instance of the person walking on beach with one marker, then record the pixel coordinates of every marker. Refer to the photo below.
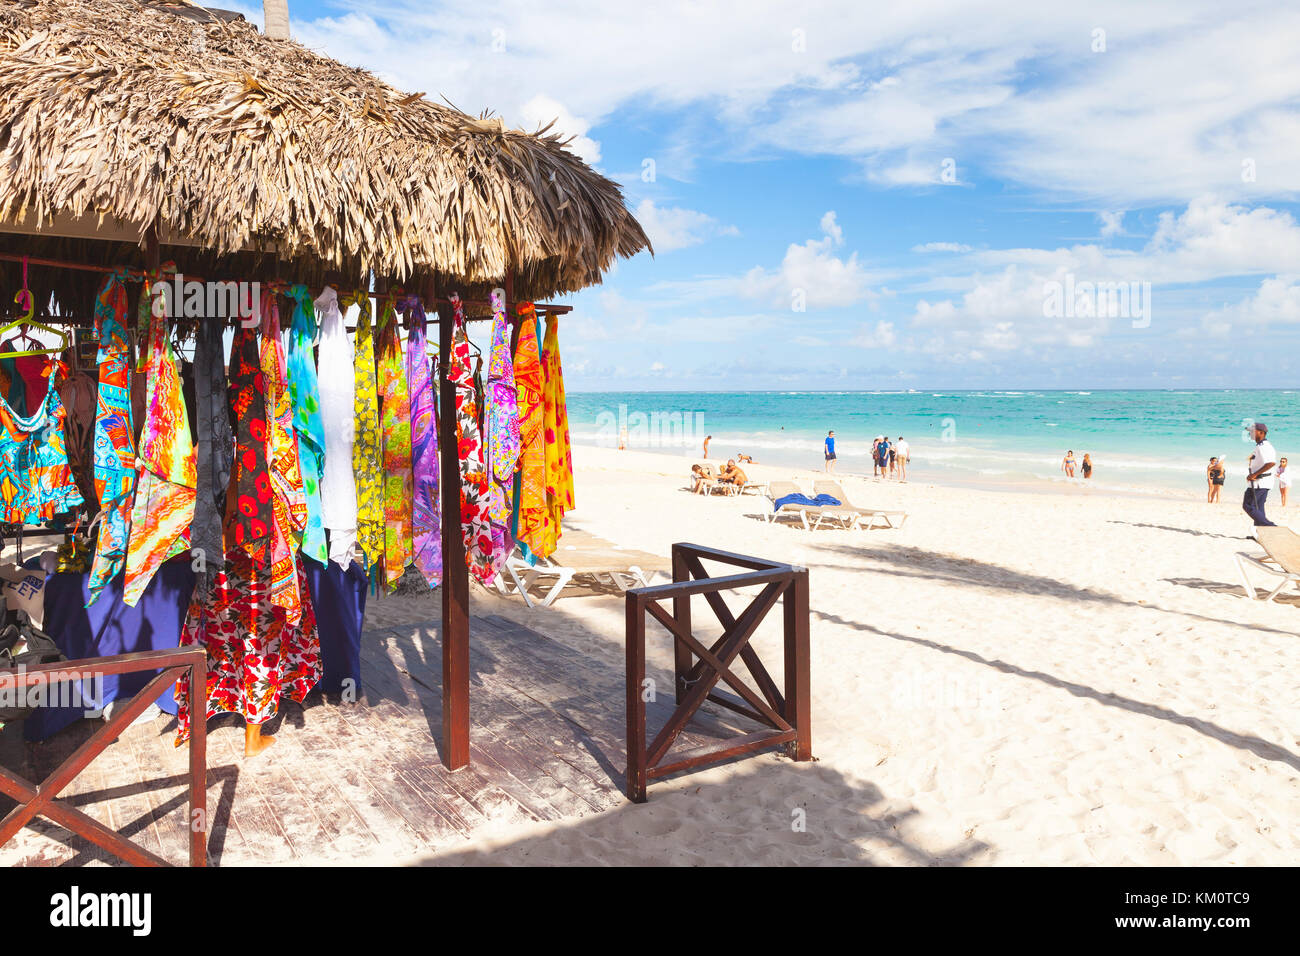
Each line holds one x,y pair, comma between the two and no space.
1260,480
1067,464
1215,475
707,439
882,456
875,457
901,450
1087,466
830,451
1283,480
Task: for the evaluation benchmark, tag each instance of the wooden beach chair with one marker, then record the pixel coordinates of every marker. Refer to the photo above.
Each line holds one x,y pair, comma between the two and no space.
579,554
1281,559
870,515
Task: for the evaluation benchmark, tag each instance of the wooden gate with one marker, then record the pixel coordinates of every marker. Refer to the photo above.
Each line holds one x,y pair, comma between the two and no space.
39,799
698,669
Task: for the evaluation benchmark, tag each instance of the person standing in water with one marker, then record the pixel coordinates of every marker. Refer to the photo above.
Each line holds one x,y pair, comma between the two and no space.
1215,475
1087,465
1067,464
830,451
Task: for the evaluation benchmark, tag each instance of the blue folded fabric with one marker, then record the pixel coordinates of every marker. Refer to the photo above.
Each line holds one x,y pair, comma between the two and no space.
821,501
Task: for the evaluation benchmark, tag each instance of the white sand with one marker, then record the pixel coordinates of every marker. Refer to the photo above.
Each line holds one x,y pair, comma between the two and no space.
1010,679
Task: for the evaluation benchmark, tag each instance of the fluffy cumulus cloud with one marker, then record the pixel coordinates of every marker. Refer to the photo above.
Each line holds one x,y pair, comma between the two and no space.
672,228
1133,115
1022,298
543,111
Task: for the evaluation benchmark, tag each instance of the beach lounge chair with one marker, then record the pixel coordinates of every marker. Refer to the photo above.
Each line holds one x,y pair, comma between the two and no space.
579,554
871,515
1281,559
811,517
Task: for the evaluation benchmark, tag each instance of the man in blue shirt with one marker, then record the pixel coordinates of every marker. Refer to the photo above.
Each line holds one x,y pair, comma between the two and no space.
830,451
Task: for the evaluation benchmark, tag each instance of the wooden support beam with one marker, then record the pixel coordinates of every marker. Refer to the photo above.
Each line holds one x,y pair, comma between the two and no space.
455,573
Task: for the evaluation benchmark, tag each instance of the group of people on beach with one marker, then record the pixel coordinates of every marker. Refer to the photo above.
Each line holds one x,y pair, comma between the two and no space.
888,459
1264,471
1070,466
703,477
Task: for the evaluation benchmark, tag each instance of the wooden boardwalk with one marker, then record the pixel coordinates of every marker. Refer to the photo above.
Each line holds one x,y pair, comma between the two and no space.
362,782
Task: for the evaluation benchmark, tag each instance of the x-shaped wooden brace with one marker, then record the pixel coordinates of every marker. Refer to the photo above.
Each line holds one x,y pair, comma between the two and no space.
40,800
715,664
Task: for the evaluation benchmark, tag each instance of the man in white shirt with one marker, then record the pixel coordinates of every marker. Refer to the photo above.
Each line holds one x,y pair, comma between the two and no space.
901,451
1260,480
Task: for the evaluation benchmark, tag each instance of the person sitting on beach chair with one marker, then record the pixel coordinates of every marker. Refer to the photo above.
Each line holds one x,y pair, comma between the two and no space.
732,475
701,479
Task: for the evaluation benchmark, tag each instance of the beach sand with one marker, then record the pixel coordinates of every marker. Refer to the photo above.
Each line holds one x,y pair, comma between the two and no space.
1009,679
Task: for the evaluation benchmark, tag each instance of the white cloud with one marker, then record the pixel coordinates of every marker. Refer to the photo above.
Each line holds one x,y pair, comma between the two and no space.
941,247
1112,223
881,336
1276,302
670,227
541,110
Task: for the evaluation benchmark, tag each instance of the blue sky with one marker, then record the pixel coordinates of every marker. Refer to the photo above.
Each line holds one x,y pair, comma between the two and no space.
881,196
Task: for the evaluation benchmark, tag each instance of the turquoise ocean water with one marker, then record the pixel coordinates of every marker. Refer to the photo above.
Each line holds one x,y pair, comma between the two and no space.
1139,440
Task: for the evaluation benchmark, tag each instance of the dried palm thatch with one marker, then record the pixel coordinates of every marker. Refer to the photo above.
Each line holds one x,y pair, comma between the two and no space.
168,113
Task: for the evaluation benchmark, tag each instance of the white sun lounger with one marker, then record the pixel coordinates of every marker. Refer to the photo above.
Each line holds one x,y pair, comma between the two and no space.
1281,559
811,517
579,554
870,515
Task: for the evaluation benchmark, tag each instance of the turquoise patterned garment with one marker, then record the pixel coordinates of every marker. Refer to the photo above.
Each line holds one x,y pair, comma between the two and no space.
304,393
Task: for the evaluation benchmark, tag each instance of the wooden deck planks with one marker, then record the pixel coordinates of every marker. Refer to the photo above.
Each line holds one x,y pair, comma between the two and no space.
362,781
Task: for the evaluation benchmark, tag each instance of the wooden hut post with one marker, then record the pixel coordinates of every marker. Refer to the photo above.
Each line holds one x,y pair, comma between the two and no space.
455,573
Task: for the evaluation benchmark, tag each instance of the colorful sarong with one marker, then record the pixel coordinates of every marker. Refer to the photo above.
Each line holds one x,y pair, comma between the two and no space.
533,511
426,512
474,521
502,434
114,448
305,393
559,456
288,502
166,467
396,425
367,444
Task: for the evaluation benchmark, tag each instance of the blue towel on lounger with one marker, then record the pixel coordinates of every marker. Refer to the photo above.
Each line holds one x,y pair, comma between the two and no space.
821,501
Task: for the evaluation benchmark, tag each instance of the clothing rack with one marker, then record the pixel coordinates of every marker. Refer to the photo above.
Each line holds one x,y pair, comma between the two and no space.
136,275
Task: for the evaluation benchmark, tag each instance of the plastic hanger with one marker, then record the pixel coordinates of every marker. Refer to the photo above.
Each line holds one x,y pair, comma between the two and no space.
26,324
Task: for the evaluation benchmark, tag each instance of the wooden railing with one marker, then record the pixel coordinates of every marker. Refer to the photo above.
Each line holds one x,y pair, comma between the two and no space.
39,800
698,669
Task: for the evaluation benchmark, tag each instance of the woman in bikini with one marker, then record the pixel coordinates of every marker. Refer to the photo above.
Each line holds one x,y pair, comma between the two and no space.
1283,480
1215,474
1067,464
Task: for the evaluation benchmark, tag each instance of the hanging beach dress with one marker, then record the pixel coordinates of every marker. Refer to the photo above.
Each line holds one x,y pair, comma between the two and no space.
533,513
395,422
367,440
502,434
559,456
114,438
476,528
166,468
426,512
36,481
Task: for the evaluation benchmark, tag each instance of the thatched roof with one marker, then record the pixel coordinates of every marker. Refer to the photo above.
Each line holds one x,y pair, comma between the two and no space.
150,112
